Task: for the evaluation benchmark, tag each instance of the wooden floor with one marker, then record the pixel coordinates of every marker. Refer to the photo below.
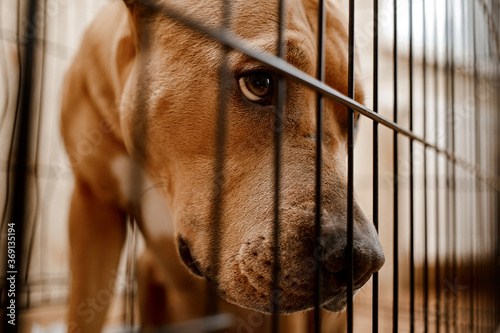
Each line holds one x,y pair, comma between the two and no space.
52,318
454,308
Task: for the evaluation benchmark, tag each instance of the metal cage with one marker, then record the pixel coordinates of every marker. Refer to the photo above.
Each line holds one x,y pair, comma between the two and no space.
429,136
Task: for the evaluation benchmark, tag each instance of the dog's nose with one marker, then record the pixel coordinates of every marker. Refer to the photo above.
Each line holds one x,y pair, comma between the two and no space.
368,256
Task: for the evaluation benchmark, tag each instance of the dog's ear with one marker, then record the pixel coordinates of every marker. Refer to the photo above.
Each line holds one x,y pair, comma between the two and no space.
135,7
133,3
138,5
129,3
138,12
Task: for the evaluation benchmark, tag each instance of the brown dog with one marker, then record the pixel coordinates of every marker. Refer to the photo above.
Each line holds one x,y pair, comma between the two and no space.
141,101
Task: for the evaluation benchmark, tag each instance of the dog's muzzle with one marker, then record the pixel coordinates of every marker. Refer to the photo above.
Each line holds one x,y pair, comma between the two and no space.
246,277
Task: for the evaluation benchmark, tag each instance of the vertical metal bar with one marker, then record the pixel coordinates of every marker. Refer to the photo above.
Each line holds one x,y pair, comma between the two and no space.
489,167
453,215
319,141
139,133
490,155
469,202
473,213
493,57
375,302
477,139
480,143
350,173
426,243
129,311
497,233
471,32
220,154
33,225
279,127
395,305
447,163
437,131
412,245
494,216
486,151
18,209
468,235
474,193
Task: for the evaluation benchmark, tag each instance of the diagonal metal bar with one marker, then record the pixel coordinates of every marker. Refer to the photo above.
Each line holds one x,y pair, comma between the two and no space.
282,67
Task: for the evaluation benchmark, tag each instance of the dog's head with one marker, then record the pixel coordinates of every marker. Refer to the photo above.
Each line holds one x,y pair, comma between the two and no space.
175,91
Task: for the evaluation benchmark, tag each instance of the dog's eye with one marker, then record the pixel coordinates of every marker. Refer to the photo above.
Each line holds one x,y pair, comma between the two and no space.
257,87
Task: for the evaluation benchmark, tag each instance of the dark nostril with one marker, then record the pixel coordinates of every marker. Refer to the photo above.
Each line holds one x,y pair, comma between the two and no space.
187,258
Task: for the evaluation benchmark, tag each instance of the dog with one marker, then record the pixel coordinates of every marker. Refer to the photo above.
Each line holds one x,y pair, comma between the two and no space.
139,122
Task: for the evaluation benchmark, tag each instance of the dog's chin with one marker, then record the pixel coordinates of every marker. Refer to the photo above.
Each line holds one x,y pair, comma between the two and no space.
243,292
336,304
